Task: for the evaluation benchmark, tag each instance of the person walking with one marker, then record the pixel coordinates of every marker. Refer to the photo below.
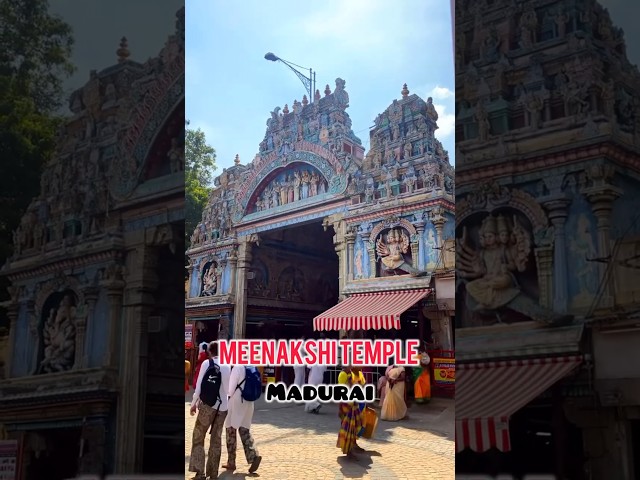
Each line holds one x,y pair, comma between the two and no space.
299,370
350,413
245,387
211,402
316,377
202,356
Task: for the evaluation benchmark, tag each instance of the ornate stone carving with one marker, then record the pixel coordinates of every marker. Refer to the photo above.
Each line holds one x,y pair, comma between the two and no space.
59,337
392,249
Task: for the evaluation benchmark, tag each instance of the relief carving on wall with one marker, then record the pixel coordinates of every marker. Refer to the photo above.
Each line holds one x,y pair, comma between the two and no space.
495,271
291,285
59,336
209,280
393,250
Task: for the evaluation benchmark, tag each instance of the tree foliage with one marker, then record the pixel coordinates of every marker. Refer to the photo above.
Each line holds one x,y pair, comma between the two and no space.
200,163
35,52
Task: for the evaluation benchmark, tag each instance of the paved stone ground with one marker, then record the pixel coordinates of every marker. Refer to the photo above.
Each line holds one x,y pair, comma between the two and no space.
297,445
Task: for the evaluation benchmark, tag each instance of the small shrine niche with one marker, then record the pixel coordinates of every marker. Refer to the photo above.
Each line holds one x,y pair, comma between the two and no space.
394,254
209,280
57,332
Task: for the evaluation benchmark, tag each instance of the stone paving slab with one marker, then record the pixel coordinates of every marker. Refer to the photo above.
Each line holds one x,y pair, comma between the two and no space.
297,445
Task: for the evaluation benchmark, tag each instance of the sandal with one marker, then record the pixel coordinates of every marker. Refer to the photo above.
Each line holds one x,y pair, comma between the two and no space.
226,466
255,464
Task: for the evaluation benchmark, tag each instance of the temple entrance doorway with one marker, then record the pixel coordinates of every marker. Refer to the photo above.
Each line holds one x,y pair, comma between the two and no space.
293,277
52,454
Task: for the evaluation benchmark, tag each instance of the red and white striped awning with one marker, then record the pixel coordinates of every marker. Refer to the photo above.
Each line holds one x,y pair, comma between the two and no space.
487,394
369,311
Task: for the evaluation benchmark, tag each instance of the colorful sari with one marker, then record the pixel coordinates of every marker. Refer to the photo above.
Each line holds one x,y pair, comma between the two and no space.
350,413
422,386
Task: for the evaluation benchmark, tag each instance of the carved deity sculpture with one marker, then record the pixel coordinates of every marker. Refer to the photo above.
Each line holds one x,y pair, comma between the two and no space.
482,118
391,250
489,271
209,282
176,156
59,335
431,110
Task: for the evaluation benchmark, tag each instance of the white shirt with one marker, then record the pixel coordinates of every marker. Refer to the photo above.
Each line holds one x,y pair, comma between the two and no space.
225,373
316,374
240,411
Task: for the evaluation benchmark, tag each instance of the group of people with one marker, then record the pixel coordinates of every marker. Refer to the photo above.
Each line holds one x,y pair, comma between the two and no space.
227,405
223,398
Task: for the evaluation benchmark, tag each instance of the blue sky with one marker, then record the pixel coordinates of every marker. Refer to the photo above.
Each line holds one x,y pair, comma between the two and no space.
374,45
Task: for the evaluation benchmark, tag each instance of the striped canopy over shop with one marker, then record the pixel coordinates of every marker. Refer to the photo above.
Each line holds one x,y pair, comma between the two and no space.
369,311
487,394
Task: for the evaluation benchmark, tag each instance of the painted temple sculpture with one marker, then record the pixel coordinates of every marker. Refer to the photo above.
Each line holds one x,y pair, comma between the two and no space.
547,195
390,211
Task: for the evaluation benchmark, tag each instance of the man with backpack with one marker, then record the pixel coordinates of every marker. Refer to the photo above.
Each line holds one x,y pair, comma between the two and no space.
245,387
211,401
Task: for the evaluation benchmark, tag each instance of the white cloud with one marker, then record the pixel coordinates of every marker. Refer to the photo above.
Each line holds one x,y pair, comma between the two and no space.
446,121
441,93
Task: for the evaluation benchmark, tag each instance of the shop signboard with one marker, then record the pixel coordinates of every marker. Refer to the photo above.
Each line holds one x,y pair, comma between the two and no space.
444,371
269,375
8,459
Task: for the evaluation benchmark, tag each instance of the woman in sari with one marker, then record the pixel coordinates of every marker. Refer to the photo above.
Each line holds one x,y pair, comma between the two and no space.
422,386
394,406
350,413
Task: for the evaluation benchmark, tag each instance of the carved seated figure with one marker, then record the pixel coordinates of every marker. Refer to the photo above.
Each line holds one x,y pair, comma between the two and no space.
59,335
392,252
489,272
210,285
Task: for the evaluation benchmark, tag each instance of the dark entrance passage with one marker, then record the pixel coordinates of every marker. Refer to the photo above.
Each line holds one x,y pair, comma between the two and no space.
293,278
52,454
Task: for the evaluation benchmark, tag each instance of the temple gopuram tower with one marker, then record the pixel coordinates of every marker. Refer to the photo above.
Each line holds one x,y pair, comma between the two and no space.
548,188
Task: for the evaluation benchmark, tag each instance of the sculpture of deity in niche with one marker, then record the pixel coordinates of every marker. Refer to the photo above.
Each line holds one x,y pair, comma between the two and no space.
394,252
494,271
209,280
291,186
59,336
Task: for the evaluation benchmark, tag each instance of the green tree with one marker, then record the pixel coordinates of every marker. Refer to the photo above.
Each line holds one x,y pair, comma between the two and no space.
35,52
200,163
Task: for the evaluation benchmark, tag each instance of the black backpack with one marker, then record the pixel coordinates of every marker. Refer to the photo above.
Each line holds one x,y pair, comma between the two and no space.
211,383
252,385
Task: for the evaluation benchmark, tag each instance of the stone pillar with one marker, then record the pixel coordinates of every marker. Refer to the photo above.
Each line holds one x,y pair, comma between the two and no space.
114,285
601,199
190,269
370,248
341,251
422,264
34,325
83,313
438,220
557,209
233,261
366,264
544,263
350,238
219,274
240,288
141,283
12,313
